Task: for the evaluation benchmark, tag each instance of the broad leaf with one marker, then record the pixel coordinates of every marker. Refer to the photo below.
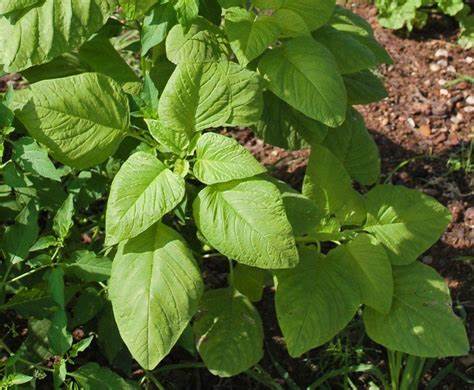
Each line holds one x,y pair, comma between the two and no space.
26,227
201,42
249,35
370,268
186,11
62,222
334,197
155,289
246,220
421,321
203,95
81,119
59,337
313,14
220,159
250,281
363,88
406,221
142,192
358,28
48,29
134,9
284,126
34,159
229,332
304,215
352,144
350,54
88,267
96,55
10,6
156,26
91,376
304,73
314,301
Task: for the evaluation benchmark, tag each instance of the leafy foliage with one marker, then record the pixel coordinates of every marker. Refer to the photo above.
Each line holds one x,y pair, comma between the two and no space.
118,189
397,14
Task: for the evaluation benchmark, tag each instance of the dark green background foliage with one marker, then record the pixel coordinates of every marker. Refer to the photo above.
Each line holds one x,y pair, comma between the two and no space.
117,189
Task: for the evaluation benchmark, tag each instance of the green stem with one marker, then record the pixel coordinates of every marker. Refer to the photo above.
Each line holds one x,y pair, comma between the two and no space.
155,381
231,273
395,366
31,272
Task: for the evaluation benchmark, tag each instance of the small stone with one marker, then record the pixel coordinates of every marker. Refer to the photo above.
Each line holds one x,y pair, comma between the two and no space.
442,63
468,60
411,122
470,100
458,118
469,109
441,53
441,82
434,67
451,69
425,130
444,92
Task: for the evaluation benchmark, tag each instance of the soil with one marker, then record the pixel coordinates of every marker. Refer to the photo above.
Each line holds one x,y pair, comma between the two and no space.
423,129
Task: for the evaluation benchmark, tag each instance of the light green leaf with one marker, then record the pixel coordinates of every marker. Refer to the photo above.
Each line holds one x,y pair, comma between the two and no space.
348,22
201,95
291,24
246,221
156,26
186,11
304,216
81,119
350,54
283,126
9,6
96,55
421,321
134,9
369,265
220,159
91,376
250,281
155,289
304,74
352,144
34,159
62,221
334,197
177,142
88,267
48,29
315,13
314,301
406,221
363,88
249,35
26,227
44,242
142,192
229,332
201,42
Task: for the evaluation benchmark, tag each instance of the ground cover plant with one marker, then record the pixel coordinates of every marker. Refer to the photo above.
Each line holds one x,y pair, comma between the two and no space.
180,194
397,14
